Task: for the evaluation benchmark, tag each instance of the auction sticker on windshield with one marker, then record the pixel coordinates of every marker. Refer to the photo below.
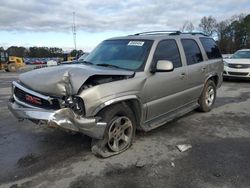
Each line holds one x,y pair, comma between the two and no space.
135,43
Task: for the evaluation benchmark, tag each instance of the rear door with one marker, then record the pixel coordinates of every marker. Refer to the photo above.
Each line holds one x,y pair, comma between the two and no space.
214,59
164,90
196,68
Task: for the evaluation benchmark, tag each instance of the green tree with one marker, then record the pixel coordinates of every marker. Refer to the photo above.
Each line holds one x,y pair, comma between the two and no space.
17,51
234,34
76,53
45,52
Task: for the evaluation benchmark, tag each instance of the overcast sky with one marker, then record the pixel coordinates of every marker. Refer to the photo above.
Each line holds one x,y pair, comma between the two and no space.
49,22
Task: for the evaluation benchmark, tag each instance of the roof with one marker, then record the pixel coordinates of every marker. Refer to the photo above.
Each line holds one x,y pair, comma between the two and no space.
159,35
244,50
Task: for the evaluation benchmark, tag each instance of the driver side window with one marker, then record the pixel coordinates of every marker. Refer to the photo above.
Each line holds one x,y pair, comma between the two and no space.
3,56
168,50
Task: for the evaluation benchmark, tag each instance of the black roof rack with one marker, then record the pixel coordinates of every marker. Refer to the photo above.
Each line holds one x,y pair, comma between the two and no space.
157,32
195,33
173,32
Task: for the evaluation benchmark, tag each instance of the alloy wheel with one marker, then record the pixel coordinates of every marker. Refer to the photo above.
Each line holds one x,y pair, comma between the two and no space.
120,134
210,96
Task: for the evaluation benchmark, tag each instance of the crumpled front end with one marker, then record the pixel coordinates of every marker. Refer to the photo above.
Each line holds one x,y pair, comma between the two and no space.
66,80
27,104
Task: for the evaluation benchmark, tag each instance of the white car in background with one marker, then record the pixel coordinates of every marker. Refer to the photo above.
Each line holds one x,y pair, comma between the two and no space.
238,65
51,63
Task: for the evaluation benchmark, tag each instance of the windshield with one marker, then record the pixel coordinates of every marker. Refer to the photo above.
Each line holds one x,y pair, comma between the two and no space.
241,55
124,54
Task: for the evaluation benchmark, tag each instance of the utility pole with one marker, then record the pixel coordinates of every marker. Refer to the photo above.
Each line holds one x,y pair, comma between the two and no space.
74,30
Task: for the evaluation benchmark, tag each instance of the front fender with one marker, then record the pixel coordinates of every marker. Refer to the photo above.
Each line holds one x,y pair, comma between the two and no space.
99,96
115,100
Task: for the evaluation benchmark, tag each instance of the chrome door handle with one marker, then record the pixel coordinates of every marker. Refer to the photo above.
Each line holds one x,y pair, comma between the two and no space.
182,75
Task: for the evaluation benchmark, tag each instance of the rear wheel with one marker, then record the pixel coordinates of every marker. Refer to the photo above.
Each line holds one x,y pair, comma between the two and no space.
11,67
207,97
119,133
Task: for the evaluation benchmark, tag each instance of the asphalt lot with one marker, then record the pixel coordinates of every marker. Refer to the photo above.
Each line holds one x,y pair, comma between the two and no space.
33,156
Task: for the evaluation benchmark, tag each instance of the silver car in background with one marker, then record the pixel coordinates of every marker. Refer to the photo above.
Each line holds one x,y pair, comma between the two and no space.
238,65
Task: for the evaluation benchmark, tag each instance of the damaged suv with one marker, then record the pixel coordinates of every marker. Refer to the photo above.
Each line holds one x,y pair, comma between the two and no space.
139,81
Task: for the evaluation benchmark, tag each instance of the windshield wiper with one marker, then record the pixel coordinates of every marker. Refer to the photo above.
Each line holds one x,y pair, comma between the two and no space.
108,65
86,62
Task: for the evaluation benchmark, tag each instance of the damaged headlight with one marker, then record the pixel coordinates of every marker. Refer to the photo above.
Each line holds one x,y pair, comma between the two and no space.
76,103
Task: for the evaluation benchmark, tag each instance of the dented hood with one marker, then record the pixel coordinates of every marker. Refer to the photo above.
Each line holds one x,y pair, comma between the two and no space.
65,80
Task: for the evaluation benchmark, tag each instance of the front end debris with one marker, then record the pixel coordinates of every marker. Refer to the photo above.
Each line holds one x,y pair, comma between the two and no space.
56,112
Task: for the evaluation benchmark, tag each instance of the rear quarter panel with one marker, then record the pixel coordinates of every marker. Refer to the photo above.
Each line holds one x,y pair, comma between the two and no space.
215,68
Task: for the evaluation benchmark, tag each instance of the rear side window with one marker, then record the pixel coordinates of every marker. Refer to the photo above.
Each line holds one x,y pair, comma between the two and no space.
192,51
211,48
168,50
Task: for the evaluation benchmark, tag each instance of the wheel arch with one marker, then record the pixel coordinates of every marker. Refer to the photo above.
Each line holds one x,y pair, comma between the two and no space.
9,62
214,77
132,101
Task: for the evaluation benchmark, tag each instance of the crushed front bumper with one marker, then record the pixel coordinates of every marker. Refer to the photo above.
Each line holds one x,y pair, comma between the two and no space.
64,118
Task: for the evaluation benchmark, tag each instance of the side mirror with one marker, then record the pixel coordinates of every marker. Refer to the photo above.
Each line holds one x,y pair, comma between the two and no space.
163,66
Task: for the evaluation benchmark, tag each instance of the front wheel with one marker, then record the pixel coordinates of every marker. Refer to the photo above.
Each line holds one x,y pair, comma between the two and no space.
119,133
207,97
11,67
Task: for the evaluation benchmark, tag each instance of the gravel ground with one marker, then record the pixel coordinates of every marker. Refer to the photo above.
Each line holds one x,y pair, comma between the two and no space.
33,156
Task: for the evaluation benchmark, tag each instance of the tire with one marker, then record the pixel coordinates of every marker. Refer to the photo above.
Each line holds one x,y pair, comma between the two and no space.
208,96
119,133
11,67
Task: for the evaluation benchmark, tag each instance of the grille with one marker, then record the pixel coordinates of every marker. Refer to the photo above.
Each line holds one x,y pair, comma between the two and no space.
239,66
42,103
239,73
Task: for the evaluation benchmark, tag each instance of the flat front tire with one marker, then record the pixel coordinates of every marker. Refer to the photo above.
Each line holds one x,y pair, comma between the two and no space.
208,96
119,133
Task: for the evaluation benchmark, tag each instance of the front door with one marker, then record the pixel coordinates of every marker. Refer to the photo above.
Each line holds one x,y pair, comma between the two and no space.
164,91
